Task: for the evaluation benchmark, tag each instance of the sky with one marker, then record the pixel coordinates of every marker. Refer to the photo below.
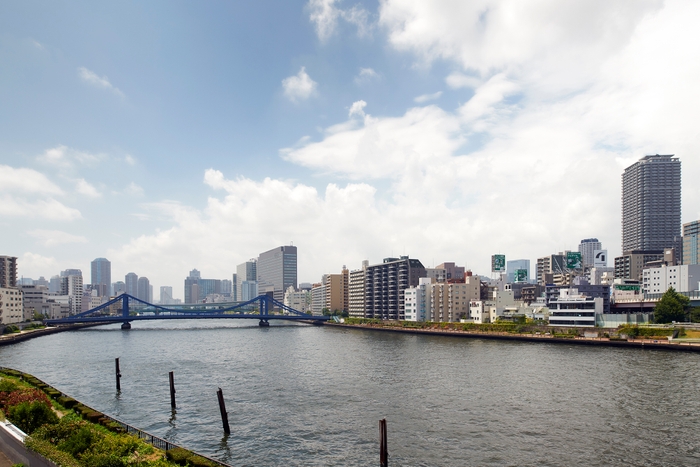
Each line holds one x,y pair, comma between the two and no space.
172,135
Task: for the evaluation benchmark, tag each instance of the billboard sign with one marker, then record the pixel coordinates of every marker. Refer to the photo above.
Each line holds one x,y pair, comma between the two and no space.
573,260
498,263
520,275
600,258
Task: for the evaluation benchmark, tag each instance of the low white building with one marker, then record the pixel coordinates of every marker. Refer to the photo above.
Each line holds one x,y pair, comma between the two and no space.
683,278
573,309
488,311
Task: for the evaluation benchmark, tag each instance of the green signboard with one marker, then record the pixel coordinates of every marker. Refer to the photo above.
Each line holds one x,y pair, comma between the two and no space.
573,260
498,263
634,288
520,275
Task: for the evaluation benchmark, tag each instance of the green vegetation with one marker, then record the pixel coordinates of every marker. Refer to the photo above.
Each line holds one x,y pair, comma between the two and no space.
671,307
73,435
11,329
518,327
649,332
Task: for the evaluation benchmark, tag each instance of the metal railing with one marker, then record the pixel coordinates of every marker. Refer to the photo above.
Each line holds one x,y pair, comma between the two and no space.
153,440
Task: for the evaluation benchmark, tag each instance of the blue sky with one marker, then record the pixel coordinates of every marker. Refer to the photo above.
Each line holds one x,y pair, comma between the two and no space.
172,135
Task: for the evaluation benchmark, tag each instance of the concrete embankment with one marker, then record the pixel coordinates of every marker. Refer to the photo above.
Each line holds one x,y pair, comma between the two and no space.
595,341
8,339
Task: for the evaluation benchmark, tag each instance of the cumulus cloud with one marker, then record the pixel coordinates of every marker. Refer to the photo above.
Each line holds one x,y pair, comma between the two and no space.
83,187
133,190
91,78
427,97
50,238
365,76
357,108
48,208
67,158
130,160
299,87
325,15
23,180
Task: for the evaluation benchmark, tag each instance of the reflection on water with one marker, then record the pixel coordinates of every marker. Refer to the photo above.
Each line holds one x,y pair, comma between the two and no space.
306,395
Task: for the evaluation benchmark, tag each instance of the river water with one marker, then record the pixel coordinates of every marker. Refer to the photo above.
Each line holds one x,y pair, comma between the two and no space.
304,395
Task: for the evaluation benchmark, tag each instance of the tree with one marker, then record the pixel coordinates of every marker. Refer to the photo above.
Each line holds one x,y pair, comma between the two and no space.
671,307
695,314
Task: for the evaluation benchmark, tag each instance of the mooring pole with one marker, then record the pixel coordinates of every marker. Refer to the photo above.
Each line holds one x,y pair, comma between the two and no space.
383,451
117,374
172,389
222,408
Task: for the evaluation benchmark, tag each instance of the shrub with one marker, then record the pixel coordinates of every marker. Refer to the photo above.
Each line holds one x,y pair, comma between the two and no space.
7,385
178,455
50,451
9,399
79,442
29,416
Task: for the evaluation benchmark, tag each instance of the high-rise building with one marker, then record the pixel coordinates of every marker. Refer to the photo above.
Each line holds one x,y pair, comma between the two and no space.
356,291
518,264
118,288
101,276
691,253
166,295
72,285
131,282
587,248
8,271
548,266
245,272
143,289
386,283
277,270
192,286
55,284
651,204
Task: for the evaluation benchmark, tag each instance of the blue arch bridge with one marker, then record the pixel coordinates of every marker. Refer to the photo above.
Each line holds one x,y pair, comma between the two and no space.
126,308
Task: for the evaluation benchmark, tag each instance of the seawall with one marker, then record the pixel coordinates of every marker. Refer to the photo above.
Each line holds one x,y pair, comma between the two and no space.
594,341
8,339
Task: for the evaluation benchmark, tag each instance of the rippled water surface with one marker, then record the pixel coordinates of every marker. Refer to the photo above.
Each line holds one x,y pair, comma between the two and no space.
303,395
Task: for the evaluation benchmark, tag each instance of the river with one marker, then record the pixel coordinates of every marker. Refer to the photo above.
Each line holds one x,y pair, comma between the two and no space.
304,395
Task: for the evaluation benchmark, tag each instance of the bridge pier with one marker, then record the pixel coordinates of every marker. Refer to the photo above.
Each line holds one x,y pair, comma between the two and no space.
264,323
126,325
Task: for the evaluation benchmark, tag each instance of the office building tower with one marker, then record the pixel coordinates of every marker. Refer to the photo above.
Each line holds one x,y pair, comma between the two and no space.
277,270
245,272
518,265
234,288
8,272
651,204
587,248
385,285
143,289
248,290
691,254
226,288
131,282
101,276
119,288
55,284
166,295
192,286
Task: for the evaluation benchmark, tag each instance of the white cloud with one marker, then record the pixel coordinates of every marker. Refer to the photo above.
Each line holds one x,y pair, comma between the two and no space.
427,97
366,75
357,108
37,44
325,14
85,188
35,265
133,190
130,160
300,86
64,157
25,181
458,80
49,208
50,238
93,79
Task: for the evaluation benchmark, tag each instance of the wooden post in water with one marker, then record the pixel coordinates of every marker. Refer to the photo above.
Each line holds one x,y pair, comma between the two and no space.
222,408
172,390
383,451
117,374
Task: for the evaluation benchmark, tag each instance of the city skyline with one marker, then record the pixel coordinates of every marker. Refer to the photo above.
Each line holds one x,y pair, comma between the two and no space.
358,135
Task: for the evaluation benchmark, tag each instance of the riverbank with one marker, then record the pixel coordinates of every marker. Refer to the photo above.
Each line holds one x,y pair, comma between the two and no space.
8,339
543,337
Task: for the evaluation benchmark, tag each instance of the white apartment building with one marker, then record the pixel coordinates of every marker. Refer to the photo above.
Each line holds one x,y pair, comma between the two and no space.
417,301
72,285
11,305
683,278
597,274
356,292
450,302
573,309
300,300
318,298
